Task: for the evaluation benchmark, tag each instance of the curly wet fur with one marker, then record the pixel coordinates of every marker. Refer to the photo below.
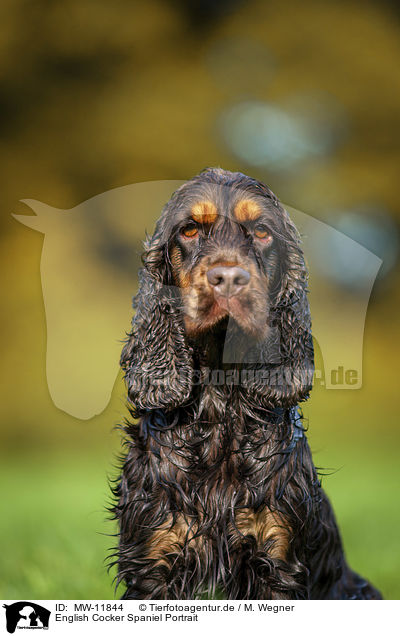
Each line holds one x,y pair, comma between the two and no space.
218,488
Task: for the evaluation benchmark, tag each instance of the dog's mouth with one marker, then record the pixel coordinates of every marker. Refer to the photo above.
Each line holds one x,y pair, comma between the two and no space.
237,307
226,291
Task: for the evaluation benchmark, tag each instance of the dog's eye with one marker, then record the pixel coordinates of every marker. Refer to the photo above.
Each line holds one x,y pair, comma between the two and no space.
262,232
189,231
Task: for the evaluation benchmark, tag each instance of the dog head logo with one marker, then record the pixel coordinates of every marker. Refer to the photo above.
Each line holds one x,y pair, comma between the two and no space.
26,615
90,258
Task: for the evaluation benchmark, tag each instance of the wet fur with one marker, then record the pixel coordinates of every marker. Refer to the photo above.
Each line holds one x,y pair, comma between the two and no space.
218,489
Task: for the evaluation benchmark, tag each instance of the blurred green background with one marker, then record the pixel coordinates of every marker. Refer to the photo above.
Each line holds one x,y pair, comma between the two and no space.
96,95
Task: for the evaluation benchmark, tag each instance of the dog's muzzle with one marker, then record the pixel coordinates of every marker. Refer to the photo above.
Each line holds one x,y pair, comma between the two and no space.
228,281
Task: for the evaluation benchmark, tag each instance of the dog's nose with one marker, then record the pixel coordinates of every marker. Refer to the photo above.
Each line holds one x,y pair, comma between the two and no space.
228,281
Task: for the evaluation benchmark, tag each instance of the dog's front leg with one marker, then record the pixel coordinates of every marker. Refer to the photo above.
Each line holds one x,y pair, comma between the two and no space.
162,562
263,563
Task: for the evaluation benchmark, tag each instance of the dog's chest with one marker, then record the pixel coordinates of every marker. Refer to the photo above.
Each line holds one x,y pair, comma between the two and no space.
224,463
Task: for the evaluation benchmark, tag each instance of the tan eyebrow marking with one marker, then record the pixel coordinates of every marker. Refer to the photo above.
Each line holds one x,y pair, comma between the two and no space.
204,212
247,210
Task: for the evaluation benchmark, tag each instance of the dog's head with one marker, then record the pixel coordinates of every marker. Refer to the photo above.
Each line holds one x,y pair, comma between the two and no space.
224,249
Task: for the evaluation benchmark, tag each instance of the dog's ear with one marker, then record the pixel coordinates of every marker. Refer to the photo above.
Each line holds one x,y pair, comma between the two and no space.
156,358
284,362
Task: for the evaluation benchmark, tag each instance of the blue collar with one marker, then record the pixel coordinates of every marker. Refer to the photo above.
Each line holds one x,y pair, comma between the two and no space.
295,417
155,420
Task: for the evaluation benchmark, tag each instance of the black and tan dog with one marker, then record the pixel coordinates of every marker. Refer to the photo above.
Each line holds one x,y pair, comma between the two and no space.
218,488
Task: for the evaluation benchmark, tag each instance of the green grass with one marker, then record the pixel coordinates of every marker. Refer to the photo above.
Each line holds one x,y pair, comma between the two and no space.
53,521
365,497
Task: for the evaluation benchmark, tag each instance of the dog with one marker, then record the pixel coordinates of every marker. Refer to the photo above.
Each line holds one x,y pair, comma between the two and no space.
218,492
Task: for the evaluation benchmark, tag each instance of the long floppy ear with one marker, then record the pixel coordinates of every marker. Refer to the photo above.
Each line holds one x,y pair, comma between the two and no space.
284,363
156,358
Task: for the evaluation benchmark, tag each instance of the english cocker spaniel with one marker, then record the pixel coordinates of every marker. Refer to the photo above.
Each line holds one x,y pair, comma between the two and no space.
218,492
